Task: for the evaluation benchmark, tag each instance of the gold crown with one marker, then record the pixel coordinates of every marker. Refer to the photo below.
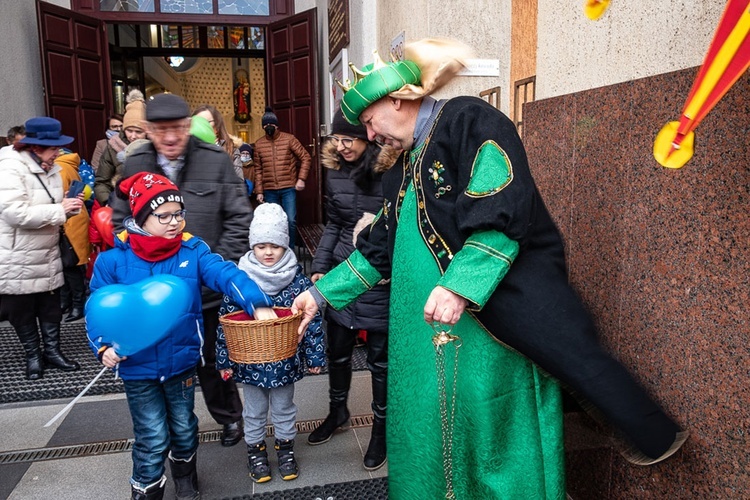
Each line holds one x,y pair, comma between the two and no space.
358,74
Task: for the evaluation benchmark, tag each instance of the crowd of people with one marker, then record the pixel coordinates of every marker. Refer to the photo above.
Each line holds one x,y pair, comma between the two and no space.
436,241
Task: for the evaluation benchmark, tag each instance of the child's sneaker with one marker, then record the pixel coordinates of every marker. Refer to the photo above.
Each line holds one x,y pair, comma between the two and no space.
257,461
287,463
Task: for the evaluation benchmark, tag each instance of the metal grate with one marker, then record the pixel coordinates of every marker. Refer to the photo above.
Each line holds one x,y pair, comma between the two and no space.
123,445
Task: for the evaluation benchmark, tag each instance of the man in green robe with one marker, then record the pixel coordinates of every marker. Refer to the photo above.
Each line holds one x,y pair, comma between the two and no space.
468,244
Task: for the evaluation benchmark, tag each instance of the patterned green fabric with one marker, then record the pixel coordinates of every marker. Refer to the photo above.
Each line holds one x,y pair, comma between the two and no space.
378,84
344,283
508,440
479,266
491,171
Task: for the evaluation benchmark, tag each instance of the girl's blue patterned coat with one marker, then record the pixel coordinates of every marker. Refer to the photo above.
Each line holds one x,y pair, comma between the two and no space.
279,373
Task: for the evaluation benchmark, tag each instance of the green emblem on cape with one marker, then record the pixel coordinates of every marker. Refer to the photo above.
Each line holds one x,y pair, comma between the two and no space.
490,172
373,82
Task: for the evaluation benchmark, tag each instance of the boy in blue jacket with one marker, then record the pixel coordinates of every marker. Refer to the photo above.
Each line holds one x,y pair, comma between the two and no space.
160,380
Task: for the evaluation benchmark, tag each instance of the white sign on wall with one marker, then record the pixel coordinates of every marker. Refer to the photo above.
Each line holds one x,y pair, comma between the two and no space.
481,67
337,70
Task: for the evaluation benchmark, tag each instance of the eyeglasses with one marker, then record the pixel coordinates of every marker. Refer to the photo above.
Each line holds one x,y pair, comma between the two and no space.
160,130
167,218
347,143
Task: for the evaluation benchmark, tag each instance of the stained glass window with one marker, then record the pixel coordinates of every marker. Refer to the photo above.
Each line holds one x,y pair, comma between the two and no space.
215,37
244,7
257,38
170,38
236,37
190,37
187,6
126,5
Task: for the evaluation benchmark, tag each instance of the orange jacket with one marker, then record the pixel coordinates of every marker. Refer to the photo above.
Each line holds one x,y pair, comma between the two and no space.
76,227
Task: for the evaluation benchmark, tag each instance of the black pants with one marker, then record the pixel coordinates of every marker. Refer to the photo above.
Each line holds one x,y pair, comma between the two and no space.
73,292
341,341
24,310
222,398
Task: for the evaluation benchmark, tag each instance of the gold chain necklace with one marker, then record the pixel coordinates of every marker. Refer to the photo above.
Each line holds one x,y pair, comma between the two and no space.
442,338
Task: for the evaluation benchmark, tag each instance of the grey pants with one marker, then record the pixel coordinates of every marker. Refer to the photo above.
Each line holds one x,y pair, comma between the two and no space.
255,412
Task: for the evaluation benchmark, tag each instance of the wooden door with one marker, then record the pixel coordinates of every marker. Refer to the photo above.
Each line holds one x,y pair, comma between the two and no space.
293,95
75,69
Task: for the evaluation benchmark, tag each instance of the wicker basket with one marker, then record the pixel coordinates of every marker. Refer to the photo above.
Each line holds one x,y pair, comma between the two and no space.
261,341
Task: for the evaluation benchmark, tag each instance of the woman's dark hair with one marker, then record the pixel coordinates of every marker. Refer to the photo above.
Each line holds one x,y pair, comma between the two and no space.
113,116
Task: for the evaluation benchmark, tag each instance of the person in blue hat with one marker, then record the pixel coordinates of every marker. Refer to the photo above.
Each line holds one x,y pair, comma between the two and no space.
32,209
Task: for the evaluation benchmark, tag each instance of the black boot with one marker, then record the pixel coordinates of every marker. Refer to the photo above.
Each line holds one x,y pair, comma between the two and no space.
257,462
52,354
29,337
76,313
185,477
377,363
375,456
153,491
287,464
75,285
340,348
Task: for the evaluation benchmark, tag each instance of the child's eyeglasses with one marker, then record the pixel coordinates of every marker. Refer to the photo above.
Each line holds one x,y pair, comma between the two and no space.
167,218
347,143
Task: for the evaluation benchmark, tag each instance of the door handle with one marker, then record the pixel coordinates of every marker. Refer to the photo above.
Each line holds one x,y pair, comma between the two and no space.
312,146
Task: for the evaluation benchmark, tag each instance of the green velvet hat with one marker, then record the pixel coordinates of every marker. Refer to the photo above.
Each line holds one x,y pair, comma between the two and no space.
373,82
428,65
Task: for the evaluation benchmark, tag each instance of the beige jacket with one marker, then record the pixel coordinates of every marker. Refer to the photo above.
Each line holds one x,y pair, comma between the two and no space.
29,225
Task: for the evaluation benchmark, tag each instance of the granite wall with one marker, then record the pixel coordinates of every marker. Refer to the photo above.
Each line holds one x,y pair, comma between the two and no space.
662,259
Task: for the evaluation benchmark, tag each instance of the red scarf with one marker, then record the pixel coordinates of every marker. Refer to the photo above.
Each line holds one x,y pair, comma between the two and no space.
154,248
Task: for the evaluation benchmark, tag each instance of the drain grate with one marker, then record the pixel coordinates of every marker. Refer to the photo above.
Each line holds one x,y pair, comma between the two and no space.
123,445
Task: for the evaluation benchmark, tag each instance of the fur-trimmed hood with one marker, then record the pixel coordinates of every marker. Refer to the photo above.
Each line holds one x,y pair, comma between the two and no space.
329,158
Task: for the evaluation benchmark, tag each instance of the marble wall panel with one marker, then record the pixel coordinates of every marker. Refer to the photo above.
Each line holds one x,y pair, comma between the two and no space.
662,259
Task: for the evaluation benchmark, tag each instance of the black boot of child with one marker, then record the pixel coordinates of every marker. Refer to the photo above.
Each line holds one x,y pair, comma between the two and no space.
287,464
185,477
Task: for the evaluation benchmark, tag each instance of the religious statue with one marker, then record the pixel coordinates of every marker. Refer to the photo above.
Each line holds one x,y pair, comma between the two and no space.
241,96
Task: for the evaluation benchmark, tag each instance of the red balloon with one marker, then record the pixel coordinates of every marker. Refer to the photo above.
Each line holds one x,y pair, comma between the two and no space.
102,219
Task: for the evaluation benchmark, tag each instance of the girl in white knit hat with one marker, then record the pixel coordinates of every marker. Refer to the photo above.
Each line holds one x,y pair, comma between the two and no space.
273,266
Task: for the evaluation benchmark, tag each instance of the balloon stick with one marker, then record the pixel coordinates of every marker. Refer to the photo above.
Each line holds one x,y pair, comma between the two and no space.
75,400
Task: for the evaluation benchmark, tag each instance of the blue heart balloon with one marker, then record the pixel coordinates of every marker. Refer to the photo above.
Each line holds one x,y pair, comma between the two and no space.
131,318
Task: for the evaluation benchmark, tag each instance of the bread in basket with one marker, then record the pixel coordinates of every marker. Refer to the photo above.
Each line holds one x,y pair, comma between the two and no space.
261,341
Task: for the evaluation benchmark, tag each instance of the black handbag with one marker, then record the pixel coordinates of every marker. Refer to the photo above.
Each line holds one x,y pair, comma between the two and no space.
68,254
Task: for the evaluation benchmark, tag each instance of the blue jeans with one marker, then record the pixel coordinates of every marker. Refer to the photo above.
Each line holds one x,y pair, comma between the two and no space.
287,198
163,421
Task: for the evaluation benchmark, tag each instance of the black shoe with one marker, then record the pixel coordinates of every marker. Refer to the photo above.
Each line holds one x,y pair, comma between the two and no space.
375,457
335,419
257,461
232,433
287,464
75,314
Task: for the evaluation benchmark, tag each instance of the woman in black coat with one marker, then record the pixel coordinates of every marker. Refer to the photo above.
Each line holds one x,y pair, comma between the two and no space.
354,194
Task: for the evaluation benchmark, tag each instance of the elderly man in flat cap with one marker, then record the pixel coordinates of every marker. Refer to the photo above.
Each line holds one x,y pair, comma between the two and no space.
220,214
478,278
